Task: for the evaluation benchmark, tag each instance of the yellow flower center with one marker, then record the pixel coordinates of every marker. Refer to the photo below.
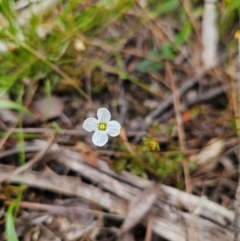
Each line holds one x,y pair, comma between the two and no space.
102,126
153,146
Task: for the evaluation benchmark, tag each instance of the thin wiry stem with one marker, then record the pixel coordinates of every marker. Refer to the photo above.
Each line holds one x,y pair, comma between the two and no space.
182,138
237,196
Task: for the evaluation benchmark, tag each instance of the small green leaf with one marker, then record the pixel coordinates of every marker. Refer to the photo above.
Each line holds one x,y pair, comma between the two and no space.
8,104
192,165
146,66
167,7
183,35
119,165
10,227
136,169
167,51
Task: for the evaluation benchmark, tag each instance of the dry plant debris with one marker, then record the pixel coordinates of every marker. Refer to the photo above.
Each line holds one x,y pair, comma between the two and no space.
168,72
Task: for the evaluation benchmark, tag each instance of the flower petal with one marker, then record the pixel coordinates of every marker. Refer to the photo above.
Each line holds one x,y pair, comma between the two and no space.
103,115
113,128
90,124
99,138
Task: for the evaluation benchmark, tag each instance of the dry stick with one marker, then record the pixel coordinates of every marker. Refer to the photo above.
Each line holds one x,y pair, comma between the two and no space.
177,106
57,209
148,236
162,223
237,196
182,138
127,185
47,130
15,150
36,158
69,132
68,186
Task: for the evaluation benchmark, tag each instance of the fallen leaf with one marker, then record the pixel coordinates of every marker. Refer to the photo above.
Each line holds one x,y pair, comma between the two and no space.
44,109
211,151
89,156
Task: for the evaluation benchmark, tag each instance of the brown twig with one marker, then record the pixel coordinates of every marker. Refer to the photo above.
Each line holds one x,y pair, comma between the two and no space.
182,143
180,125
56,209
73,132
177,108
148,236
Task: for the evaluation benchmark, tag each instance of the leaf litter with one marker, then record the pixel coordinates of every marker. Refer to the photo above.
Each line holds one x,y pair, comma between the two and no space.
71,190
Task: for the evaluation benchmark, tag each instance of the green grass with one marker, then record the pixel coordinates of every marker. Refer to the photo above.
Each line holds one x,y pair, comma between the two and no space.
10,222
50,57
44,48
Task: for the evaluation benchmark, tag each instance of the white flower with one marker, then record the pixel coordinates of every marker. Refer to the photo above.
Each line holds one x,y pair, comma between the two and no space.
102,127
